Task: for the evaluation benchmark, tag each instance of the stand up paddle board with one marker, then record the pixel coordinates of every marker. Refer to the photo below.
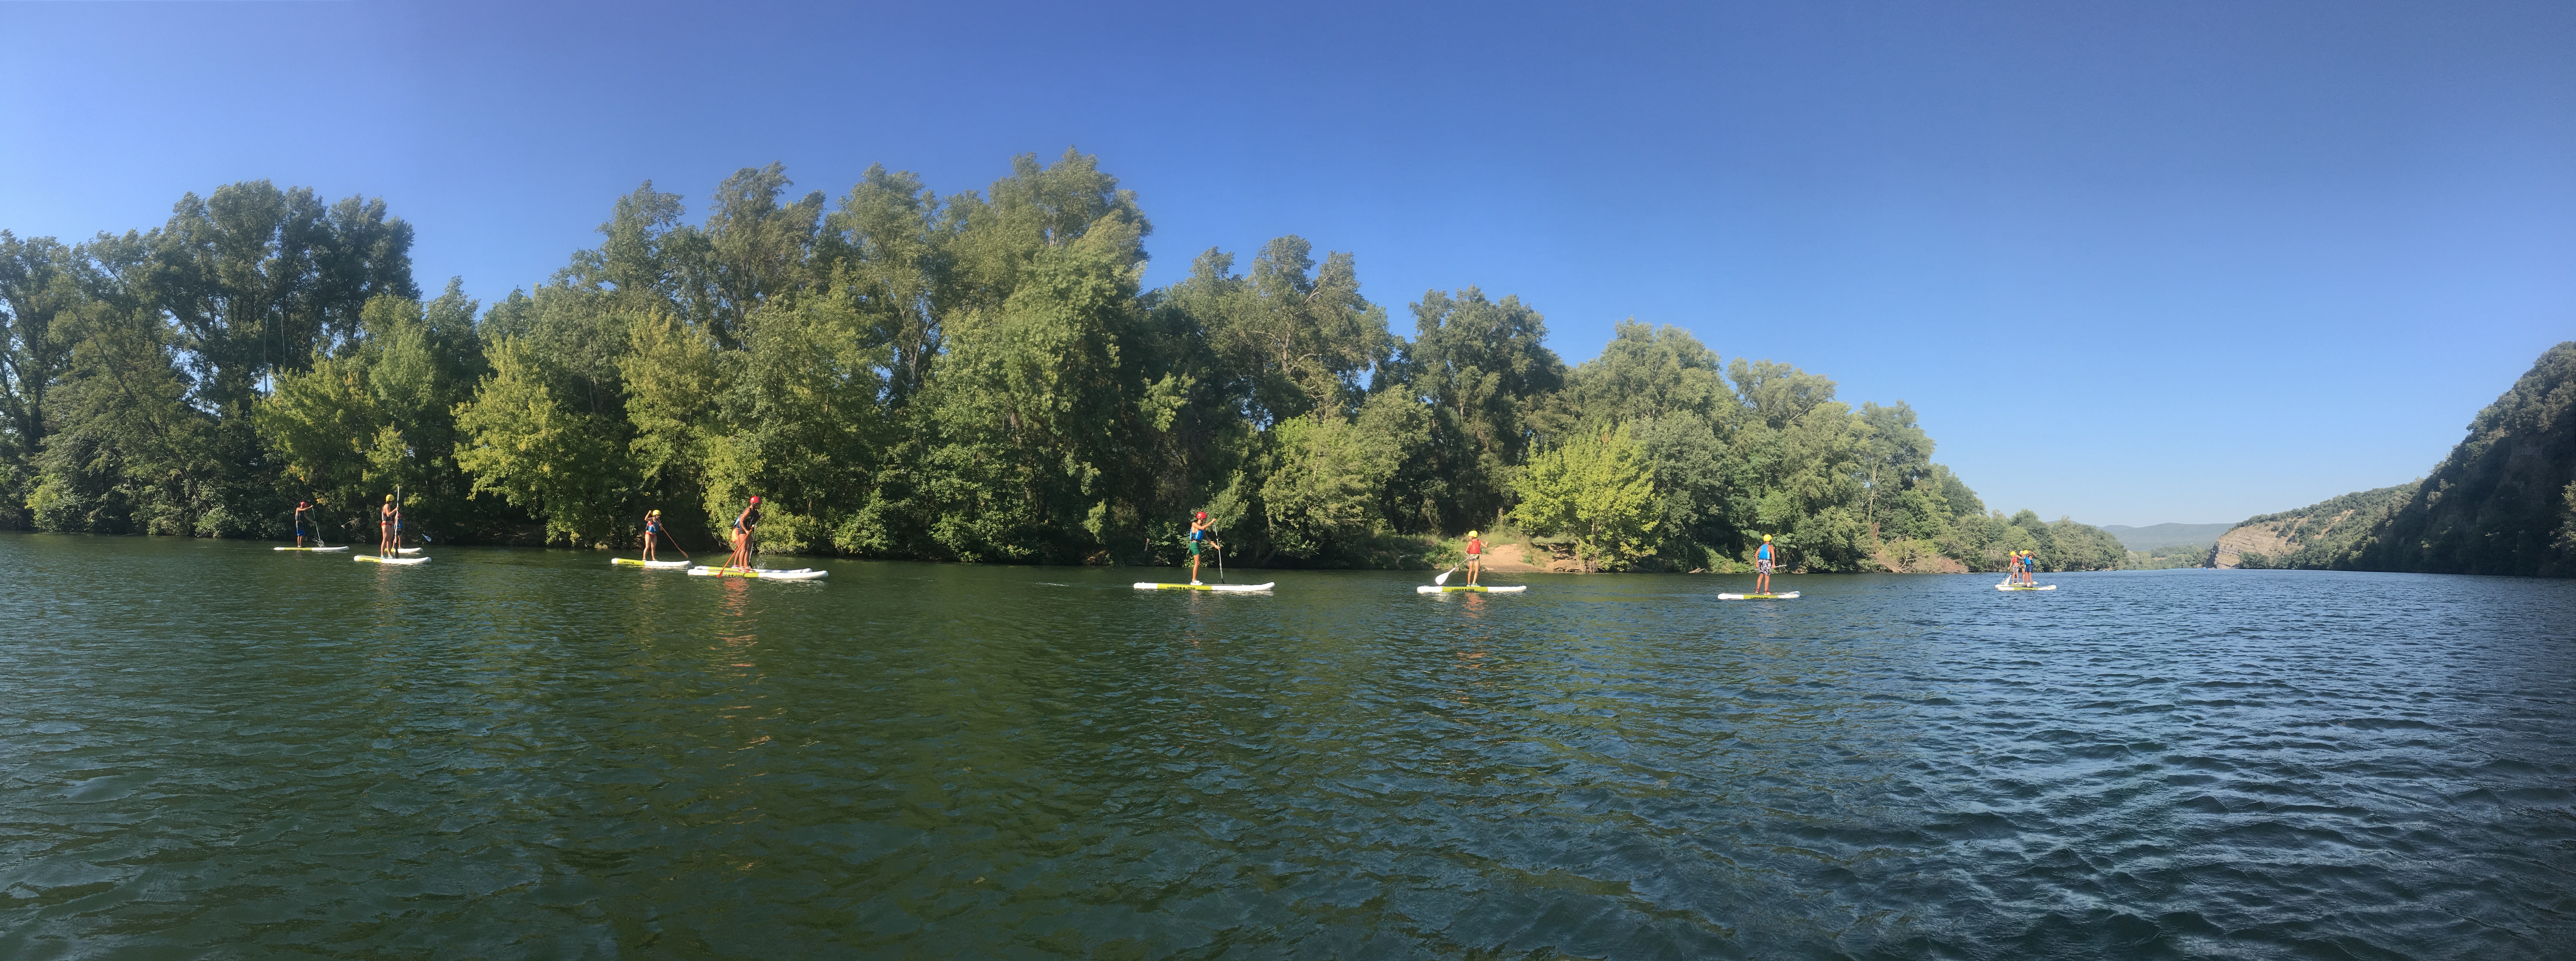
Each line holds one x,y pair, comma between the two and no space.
1225,588
1475,588
1757,597
656,565
2017,587
317,549
760,573
373,559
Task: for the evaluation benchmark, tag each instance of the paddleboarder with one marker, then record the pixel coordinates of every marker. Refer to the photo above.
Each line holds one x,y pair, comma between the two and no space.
2029,565
1762,566
742,527
652,527
1199,528
1475,557
388,529
301,507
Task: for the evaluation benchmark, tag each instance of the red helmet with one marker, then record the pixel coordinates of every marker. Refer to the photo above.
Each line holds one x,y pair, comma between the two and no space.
1202,515
755,498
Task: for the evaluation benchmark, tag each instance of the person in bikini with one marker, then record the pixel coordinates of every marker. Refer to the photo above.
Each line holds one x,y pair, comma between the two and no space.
388,529
742,527
1199,528
652,531
1762,567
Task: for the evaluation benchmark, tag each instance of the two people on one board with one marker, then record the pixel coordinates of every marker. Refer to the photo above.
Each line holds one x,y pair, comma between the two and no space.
742,528
2021,564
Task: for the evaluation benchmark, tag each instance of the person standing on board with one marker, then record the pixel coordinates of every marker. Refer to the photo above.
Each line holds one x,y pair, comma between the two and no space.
1475,557
388,528
742,527
2029,568
652,527
1762,567
301,507
1198,535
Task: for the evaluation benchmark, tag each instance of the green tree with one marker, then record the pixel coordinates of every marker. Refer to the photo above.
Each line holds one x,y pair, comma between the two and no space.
1483,369
529,436
1597,489
39,282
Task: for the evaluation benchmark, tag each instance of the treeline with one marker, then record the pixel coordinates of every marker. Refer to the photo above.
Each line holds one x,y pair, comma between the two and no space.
2503,502
978,376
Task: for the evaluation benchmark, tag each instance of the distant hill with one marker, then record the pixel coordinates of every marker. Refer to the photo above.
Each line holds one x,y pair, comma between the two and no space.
2153,536
2311,536
2504,502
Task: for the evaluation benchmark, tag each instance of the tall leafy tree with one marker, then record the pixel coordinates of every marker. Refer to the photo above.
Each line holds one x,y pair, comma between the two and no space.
1482,367
39,284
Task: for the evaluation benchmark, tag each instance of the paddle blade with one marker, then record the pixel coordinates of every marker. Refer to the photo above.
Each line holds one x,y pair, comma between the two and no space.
1444,576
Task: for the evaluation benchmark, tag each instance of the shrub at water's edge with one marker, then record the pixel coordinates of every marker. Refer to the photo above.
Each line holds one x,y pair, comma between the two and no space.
2503,502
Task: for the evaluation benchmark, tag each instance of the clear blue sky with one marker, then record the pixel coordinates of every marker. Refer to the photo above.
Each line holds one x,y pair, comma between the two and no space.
2133,263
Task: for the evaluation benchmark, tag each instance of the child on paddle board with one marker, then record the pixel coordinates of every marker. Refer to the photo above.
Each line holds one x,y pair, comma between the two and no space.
300,508
1762,566
742,526
652,527
388,529
1199,527
2029,564
1475,557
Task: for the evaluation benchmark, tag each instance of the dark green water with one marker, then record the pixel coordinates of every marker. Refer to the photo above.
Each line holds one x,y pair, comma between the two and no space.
216,750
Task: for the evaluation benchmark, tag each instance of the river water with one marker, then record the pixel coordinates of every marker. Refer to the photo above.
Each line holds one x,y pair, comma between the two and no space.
211,749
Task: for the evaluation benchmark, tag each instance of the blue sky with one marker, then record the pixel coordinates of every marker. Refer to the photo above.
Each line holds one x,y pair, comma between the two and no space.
2133,263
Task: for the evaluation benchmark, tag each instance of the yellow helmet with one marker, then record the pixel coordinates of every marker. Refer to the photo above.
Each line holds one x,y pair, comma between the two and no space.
1471,533
389,498
1766,538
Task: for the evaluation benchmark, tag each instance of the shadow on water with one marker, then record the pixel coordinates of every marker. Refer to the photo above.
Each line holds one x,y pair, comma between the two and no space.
209,748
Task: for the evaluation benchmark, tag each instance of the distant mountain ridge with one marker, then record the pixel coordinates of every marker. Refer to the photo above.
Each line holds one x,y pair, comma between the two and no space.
2153,536
2503,502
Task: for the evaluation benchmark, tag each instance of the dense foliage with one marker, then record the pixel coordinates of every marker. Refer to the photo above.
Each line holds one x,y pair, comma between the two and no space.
2503,502
978,376
2170,557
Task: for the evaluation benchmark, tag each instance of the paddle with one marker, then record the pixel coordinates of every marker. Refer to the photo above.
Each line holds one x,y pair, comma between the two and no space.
675,545
1444,576
1220,563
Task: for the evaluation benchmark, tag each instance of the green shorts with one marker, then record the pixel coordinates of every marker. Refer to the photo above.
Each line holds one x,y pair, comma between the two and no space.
1193,547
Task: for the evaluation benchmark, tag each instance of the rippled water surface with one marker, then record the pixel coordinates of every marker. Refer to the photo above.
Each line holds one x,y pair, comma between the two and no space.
216,750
